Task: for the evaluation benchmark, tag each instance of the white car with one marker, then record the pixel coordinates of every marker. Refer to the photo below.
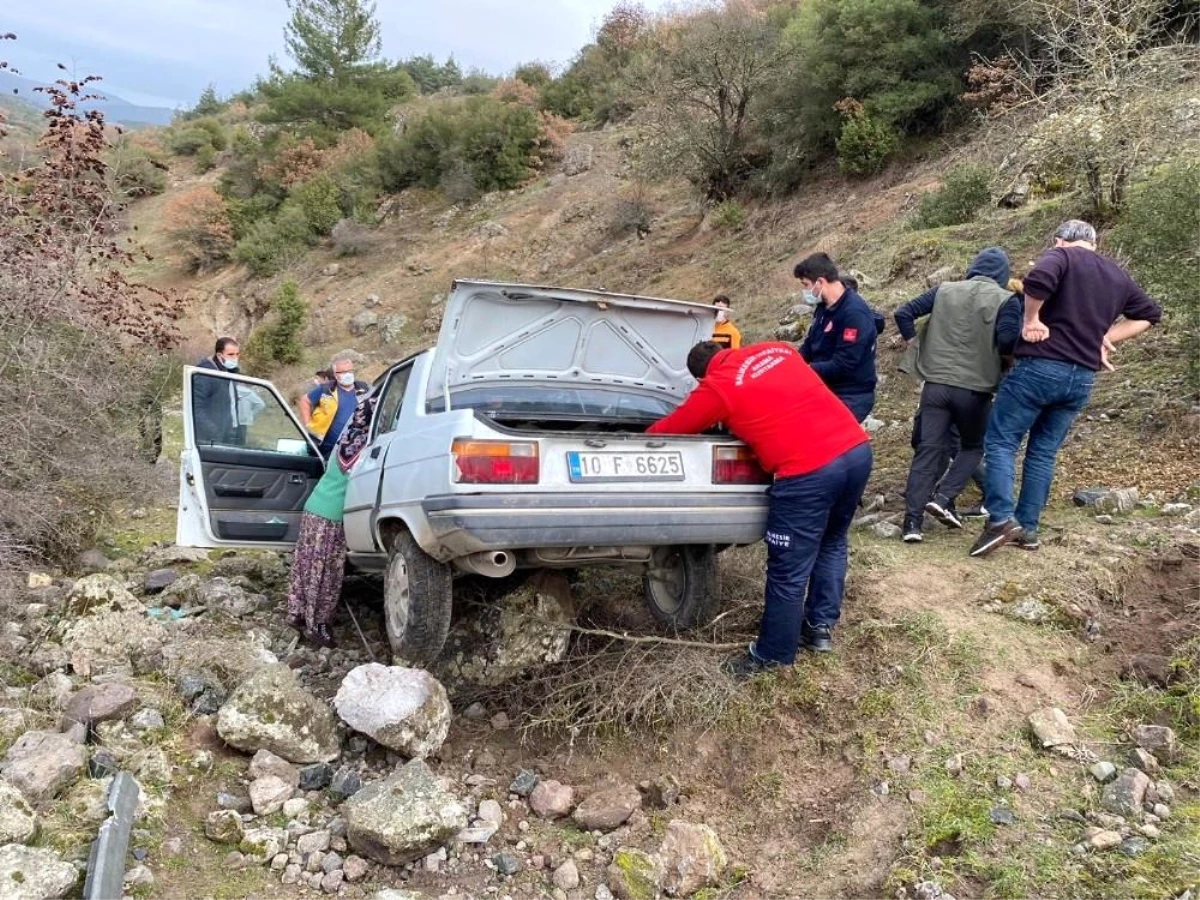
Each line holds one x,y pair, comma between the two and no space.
516,442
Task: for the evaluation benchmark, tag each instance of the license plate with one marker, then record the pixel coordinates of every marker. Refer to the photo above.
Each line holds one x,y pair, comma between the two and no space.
627,466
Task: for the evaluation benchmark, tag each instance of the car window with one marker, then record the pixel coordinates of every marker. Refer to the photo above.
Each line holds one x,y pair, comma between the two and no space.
388,411
227,413
554,401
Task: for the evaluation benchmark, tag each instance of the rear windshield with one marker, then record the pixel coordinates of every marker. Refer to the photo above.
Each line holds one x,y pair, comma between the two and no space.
553,402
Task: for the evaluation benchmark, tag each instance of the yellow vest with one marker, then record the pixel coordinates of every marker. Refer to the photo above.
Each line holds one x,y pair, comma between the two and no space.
322,415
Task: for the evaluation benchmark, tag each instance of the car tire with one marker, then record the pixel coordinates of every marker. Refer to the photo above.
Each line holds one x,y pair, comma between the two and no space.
681,586
417,602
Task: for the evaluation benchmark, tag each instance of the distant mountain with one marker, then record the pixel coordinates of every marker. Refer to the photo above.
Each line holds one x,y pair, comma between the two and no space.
116,110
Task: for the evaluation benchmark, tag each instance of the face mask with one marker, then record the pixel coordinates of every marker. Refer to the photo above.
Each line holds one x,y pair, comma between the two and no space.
346,379
229,364
722,315
811,299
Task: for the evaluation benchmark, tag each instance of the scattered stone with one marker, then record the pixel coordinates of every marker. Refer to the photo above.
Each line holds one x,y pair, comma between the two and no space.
404,817
1163,792
147,720
355,868
331,862
18,821
138,878
608,808
267,763
38,580
603,893
1004,783
900,764
634,875
42,763
1103,771
401,708
886,530
873,425
1121,501
313,842
332,269
552,799
233,802
261,844
159,580
1157,739
1022,782
101,593
331,882
268,794
224,826
930,890
1162,811
936,277
172,847
1002,815
1126,795
1150,831
92,561
566,876
1176,509
362,323
954,765
34,873
279,863
491,812
475,711
1144,760
101,703
392,328
345,783
103,764
1029,609
1104,840
578,160
1105,520
1134,846
507,863
295,807
692,858
272,711
524,783
1052,728
315,777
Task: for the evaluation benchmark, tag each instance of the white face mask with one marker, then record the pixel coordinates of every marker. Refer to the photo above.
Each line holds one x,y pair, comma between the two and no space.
722,315
229,364
811,299
346,379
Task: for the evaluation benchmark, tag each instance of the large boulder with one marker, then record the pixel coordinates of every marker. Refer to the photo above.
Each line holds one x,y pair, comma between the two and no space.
100,703
271,711
526,629
34,873
692,857
100,593
635,875
403,818
1119,501
114,642
42,763
404,709
1127,794
18,821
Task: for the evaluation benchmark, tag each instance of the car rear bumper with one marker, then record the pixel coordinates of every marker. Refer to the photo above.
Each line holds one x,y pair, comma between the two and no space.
470,524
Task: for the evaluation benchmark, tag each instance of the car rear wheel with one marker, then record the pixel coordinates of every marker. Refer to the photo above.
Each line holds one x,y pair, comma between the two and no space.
681,586
418,597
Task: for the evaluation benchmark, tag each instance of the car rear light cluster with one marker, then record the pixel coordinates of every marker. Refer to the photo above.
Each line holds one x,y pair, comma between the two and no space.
495,462
737,465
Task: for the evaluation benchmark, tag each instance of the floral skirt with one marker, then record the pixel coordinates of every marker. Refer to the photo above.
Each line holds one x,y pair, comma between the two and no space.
315,582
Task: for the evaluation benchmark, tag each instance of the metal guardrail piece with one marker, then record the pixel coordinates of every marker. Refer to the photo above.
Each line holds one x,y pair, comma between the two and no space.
106,865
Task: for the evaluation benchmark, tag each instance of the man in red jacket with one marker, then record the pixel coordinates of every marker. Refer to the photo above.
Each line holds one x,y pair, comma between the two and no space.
769,397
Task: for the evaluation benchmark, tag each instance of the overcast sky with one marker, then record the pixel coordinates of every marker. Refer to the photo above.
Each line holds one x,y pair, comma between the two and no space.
163,52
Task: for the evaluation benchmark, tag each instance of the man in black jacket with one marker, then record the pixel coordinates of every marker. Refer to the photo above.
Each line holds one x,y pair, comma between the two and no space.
214,400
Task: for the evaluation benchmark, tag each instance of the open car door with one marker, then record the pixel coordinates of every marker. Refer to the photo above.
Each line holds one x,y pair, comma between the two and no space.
248,465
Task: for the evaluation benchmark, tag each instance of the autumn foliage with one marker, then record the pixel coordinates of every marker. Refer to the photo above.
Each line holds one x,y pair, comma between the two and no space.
198,223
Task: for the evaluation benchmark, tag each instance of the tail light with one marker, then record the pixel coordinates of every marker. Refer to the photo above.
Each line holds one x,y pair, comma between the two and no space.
737,465
495,462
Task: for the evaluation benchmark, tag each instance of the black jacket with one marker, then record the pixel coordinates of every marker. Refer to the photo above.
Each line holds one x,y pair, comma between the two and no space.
840,344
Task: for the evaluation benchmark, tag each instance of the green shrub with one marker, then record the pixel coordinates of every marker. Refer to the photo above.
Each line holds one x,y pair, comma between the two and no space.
319,199
728,216
137,174
272,243
194,137
1159,233
865,145
280,339
206,158
965,190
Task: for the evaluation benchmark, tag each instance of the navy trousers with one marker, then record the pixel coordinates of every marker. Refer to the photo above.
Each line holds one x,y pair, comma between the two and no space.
808,526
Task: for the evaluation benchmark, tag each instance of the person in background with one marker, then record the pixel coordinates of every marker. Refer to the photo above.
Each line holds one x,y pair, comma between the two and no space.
1074,298
725,333
214,400
840,344
970,325
326,410
319,560
821,459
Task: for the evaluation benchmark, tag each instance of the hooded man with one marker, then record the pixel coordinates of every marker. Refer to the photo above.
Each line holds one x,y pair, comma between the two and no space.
971,324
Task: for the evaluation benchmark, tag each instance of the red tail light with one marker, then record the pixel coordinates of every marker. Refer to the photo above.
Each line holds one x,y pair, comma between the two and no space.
495,462
737,465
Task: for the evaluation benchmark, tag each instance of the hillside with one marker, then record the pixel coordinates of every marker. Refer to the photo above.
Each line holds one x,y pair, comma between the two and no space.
118,111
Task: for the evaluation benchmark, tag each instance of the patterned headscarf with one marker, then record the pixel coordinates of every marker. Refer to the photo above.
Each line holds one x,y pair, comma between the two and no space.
350,445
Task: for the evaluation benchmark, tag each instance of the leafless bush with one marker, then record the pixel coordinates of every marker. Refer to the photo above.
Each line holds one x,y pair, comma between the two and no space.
351,238
631,213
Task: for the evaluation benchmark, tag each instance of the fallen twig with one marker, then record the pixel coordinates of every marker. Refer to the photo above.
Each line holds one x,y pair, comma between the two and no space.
651,639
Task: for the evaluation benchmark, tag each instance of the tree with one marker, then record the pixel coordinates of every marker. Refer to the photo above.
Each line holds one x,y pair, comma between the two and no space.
198,223
279,340
209,104
431,77
331,39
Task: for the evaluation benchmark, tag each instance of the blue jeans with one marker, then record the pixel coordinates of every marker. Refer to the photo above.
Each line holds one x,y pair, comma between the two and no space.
808,523
1041,398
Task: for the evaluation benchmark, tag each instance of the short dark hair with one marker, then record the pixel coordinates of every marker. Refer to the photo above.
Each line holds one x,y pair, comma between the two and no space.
700,356
223,342
722,298
818,265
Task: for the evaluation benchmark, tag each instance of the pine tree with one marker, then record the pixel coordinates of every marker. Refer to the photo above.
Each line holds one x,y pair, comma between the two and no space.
330,39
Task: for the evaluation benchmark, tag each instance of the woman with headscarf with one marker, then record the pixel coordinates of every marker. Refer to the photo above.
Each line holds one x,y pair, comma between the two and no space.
318,565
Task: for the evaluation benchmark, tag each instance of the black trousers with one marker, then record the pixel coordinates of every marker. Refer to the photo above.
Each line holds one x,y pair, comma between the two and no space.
944,410
955,446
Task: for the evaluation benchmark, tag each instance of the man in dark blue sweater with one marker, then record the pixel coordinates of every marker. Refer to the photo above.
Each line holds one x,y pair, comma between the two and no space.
840,344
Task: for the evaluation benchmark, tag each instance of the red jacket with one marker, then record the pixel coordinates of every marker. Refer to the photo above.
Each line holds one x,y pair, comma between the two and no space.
770,398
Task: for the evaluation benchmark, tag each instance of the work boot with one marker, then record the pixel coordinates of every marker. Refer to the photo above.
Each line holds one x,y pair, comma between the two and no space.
912,531
943,510
817,638
1028,540
978,511
996,536
320,635
746,665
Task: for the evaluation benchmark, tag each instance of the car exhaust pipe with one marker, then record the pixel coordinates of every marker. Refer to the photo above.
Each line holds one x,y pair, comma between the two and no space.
490,563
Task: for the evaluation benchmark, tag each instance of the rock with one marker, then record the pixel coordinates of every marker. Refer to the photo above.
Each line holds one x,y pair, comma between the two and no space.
1144,760
1162,811
491,813
936,277
1018,194
224,826
114,642
38,580
173,556
635,875
34,873
261,844
1105,520
268,794
100,594
355,869
151,766
1051,728
1104,840
552,799
345,783
475,712
42,763
1004,783
1029,609
886,530
507,863
313,842
233,802
692,858
1126,795
608,808
92,561
138,878
331,862
18,821
404,817
1022,781
159,580
332,269
404,709
499,721
1176,509
315,777
873,425
1134,846
267,763
1164,793
524,783
392,329
100,703
566,876
1088,496
295,807
147,720
954,765
363,322
1149,668
1121,501
578,160
272,711
332,881
1002,815
103,764
1157,739
1103,772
